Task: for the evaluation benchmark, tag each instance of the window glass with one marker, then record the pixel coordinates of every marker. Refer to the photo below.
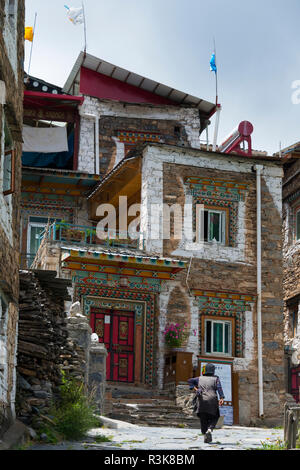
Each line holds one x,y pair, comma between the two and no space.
36,227
208,336
8,173
212,226
35,233
218,337
215,226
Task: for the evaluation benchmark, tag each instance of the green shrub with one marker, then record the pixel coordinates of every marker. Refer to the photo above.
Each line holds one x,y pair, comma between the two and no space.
72,414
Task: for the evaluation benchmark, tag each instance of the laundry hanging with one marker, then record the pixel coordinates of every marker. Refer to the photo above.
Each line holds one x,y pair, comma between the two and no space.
45,139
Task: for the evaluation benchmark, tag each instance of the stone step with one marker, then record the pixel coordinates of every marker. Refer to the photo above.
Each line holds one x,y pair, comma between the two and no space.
158,421
156,400
147,407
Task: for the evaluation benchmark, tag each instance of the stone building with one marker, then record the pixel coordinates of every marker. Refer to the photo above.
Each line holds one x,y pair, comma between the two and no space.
291,266
11,109
193,237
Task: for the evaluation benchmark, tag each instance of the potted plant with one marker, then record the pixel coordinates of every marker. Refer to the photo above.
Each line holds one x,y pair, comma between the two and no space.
175,335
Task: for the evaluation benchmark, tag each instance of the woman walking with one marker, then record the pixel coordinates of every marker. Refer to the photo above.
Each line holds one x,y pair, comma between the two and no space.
207,387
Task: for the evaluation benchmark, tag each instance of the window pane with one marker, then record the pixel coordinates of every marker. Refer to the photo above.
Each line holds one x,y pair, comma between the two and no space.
214,226
208,336
35,233
227,337
7,172
218,337
205,217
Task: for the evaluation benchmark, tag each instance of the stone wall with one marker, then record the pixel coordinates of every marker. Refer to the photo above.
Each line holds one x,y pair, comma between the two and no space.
230,268
50,342
291,259
174,124
11,74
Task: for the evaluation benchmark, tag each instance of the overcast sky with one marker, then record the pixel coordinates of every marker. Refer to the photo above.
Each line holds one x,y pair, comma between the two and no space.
171,41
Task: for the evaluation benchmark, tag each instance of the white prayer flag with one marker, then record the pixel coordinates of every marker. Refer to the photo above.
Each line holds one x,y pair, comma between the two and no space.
76,15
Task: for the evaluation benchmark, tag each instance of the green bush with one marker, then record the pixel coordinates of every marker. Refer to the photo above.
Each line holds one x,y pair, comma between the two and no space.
73,413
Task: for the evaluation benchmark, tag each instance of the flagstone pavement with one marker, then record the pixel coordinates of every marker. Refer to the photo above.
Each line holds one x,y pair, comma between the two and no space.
130,437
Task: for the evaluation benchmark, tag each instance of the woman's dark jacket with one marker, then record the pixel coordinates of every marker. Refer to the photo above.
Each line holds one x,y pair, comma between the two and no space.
207,400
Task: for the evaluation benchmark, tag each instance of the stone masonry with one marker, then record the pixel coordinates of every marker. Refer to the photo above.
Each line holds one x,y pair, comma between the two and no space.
11,112
224,268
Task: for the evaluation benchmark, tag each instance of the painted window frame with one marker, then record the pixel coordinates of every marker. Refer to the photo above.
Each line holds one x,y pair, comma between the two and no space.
224,226
11,154
231,338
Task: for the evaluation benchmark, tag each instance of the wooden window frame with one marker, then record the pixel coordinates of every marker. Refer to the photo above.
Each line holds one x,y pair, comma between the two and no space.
11,189
203,335
224,210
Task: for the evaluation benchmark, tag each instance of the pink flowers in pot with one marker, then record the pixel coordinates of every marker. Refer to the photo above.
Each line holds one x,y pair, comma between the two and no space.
175,334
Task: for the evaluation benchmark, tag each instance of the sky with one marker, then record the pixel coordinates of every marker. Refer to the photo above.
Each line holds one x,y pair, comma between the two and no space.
171,41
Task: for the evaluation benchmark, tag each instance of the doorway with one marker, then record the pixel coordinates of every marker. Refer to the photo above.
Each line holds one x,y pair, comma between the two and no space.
115,328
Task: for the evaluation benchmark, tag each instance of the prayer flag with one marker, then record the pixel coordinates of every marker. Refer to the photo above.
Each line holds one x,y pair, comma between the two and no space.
213,66
76,15
28,35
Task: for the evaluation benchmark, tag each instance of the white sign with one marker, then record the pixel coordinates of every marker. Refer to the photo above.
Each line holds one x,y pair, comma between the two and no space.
107,319
223,371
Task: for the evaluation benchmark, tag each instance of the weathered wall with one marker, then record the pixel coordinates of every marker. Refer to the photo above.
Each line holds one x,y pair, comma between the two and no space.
291,258
114,117
229,269
11,73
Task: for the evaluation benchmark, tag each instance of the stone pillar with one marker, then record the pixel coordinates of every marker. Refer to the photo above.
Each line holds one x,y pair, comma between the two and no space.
97,374
79,331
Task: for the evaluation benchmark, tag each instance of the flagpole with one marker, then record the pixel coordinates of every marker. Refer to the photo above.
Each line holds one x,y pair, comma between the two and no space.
32,43
84,22
215,52
218,107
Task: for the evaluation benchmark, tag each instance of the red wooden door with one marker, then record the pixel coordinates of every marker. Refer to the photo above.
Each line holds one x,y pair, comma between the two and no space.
116,330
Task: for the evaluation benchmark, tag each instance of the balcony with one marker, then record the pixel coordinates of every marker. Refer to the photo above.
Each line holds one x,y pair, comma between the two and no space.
87,236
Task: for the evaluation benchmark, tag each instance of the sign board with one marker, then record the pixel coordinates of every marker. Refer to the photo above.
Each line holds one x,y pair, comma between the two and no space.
223,370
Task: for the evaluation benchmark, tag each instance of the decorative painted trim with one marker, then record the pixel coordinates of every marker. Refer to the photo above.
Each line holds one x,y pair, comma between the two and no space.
132,137
114,281
219,189
230,207
138,307
122,296
224,304
116,257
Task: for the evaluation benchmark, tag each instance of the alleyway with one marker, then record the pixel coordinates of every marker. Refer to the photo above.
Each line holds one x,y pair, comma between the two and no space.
150,438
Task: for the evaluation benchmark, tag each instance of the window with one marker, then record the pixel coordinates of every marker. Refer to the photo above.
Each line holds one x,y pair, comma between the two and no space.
9,173
12,13
213,226
8,162
3,319
36,228
294,319
218,337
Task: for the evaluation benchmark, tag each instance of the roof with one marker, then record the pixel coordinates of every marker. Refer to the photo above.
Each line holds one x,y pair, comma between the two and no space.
121,256
70,182
37,84
148,85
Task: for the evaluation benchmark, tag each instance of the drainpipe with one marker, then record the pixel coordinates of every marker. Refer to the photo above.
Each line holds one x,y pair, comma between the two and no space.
258,169
96,119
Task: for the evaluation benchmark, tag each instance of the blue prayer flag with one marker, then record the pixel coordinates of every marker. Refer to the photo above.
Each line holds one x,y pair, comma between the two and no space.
213,66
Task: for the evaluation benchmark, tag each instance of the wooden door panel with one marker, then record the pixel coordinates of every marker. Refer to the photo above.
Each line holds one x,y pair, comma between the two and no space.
116,330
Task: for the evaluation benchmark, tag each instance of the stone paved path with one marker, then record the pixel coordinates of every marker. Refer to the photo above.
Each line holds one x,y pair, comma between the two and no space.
150,438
